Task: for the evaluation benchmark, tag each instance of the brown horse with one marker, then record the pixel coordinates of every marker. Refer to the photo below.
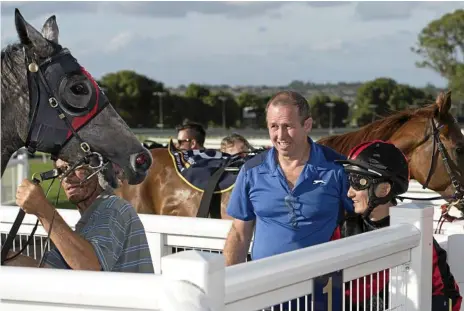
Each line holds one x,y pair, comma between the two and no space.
163,192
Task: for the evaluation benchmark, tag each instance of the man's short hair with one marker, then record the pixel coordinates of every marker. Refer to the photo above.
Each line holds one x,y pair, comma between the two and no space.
232,138
196,130
291,98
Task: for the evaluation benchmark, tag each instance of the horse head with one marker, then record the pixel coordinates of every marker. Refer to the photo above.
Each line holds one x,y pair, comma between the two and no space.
430,138
50,103
434,144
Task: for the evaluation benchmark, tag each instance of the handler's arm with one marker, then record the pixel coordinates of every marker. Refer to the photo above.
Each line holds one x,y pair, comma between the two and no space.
76,251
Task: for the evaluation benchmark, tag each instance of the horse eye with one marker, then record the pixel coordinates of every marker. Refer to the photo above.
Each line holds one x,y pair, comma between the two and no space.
79,89
459,150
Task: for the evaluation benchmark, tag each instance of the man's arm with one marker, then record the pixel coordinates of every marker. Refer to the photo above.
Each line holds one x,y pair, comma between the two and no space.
78,253
241,232
238,241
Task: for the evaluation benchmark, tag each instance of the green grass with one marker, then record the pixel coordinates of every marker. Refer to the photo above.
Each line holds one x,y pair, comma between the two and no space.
37,166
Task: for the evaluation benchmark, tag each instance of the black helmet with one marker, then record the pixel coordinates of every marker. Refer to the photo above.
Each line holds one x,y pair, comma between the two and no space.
380,161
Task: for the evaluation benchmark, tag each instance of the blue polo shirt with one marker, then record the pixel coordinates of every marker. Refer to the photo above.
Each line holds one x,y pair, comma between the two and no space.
286,219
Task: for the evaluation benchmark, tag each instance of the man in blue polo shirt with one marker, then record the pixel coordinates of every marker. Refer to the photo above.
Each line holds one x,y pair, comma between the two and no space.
291,196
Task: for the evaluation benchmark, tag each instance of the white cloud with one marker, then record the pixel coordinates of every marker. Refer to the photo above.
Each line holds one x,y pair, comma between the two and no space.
241,43
119,41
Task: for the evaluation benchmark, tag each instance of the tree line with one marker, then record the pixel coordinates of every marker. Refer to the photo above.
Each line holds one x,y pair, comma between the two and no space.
144,102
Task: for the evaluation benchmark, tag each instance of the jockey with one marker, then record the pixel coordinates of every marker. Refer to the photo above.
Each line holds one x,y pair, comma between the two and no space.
378,172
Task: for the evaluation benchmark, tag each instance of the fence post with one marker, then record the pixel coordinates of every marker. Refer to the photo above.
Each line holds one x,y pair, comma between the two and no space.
158,248
205,270
23,166
418,294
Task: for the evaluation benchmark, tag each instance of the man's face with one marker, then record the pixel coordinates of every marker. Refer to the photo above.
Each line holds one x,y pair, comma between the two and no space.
76,192
285,129
185,141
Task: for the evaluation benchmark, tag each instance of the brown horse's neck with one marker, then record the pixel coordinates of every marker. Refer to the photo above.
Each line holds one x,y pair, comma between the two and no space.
382,129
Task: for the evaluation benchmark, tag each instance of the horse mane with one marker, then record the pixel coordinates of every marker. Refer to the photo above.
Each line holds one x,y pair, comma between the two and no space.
12,69
382,129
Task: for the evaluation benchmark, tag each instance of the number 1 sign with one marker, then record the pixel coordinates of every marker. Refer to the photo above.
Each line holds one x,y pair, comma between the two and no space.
328,292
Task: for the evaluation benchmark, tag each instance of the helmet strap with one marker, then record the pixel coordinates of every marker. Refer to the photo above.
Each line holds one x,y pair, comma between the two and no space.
375,201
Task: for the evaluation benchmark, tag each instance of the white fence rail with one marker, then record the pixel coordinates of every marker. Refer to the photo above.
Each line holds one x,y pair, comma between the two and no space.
54,289
15,172
405,247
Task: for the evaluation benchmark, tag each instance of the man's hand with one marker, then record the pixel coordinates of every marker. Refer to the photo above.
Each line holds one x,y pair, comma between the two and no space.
31,198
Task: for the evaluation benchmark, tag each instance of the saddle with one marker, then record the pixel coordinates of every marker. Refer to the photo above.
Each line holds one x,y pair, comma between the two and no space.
195,167
209,171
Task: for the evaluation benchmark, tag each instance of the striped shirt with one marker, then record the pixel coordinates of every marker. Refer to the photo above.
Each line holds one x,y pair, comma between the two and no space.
117,235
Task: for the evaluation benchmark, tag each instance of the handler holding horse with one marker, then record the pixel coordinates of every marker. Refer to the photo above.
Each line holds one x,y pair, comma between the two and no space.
108,237
293,195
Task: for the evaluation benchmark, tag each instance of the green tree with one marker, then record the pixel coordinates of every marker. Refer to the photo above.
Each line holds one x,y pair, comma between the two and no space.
372,100
456,84
196,91
378,98
405,96
132,97
258,103
223,105
441,44
321,112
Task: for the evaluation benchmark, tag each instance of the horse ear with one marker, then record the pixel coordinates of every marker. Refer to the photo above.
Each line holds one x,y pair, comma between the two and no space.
28,35
444,103
50,29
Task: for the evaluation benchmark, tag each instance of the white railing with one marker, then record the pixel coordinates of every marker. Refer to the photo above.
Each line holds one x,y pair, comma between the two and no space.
34,289
15,172
405,246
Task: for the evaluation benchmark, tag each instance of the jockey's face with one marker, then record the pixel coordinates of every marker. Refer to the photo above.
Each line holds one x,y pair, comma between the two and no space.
76,192
286,130
361,197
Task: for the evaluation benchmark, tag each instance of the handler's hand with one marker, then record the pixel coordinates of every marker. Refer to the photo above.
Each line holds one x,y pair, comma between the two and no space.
31,198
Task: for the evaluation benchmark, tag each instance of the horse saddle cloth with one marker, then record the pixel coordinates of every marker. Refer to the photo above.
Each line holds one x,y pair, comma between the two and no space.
196,167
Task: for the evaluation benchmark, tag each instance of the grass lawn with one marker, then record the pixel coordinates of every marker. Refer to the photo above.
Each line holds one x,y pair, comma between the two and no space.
37,166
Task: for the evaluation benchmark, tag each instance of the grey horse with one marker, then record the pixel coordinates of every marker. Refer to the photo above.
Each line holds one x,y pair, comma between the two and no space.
60,82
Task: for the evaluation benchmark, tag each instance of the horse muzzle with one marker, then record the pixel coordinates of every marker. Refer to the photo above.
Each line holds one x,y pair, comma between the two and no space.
139,165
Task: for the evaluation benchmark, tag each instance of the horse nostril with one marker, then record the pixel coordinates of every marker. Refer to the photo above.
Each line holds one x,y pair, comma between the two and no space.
141,159
141,162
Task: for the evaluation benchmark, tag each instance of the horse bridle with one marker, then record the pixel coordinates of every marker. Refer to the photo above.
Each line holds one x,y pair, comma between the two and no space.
438,145
35,73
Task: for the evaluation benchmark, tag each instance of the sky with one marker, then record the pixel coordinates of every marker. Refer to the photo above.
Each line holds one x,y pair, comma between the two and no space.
241,43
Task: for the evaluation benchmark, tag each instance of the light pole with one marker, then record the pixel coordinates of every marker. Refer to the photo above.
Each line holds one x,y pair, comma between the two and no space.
160,100
331,106
223,100
372,108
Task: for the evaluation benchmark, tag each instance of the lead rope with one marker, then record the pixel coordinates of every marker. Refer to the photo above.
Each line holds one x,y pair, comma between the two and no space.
51,227
29,239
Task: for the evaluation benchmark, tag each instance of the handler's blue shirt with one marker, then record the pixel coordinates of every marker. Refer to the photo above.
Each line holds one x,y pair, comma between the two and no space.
319,199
